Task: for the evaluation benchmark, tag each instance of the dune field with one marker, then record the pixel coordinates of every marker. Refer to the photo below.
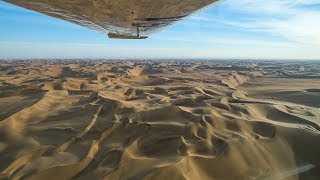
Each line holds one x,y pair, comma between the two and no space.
172,120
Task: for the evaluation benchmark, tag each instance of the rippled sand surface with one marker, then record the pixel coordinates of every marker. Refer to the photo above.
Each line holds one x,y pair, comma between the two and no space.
159,120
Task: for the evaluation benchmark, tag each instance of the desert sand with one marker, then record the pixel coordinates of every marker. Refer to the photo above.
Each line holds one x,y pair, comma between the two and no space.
159,120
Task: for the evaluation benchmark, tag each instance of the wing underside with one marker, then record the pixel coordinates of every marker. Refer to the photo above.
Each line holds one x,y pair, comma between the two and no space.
124,19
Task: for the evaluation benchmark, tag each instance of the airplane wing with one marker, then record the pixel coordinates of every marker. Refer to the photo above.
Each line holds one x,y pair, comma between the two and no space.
122,19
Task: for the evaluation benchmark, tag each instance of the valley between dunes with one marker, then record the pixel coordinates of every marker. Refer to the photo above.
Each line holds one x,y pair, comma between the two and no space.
159,120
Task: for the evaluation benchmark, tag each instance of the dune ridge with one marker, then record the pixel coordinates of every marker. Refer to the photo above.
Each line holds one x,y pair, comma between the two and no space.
157,120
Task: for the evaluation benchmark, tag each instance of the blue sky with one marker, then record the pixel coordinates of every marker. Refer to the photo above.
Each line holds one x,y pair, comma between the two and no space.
255,29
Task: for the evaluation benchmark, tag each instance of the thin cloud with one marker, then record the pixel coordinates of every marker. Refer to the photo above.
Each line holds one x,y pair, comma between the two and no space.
291,19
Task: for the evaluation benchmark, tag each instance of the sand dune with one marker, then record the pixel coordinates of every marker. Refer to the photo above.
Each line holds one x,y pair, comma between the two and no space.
159,120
